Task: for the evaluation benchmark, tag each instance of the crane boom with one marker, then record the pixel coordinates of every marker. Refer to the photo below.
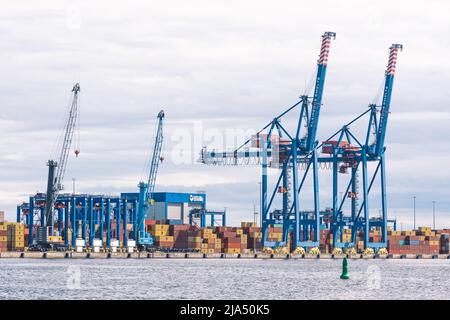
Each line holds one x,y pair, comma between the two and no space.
147,189
318,90
388,85
156,158
55,182
307,143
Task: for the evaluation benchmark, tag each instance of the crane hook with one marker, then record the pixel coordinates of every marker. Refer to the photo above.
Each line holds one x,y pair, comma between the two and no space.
77,152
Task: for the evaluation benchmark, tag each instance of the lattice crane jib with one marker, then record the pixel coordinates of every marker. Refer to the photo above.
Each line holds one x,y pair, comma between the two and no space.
147,189
57,169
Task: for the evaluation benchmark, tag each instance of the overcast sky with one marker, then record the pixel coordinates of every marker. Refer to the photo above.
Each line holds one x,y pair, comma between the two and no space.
217,67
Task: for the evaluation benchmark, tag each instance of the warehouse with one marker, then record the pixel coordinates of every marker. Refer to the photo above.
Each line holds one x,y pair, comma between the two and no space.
171,205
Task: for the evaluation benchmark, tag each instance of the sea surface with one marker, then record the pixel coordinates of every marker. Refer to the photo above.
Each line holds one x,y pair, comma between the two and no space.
222,279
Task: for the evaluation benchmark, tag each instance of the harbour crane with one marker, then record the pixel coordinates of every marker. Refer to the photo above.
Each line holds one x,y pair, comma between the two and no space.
57,169
286,151
347,152
146,190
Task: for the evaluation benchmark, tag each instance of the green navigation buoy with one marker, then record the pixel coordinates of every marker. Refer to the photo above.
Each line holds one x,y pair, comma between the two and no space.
344,274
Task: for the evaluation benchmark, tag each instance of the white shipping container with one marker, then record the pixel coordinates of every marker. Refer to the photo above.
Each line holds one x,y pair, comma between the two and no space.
115,243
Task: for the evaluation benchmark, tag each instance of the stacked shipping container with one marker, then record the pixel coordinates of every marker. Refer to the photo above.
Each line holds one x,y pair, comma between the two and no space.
12,236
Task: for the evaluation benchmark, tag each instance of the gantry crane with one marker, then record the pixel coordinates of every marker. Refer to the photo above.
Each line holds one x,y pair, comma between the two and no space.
347,152
287,152
57,169
146,190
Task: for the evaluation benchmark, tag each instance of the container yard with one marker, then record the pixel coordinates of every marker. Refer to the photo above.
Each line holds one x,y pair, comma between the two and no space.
168,223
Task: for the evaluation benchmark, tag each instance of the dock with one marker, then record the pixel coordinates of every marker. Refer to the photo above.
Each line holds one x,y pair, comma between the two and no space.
178,255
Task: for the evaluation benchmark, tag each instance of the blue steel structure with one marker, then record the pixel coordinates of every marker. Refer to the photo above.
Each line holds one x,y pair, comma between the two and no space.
202,214
146,190
348,153
162,201
287,151
94,214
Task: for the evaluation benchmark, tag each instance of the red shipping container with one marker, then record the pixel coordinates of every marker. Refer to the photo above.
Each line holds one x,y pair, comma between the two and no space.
232,245
179,227
149,222
227,234
231,240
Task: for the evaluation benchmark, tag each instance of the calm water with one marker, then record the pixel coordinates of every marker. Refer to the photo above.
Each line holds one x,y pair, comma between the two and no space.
223,279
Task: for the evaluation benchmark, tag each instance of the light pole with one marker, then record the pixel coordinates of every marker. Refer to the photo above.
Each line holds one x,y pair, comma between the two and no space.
434,215
255,216
414,203
260,203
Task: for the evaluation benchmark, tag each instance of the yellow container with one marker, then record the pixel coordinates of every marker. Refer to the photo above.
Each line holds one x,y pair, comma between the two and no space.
232,250
159,227
207,231
255,234
159,233
247,224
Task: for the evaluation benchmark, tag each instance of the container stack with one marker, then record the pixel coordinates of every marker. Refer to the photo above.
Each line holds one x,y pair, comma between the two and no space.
231,242
3,237
326,241
180,235
444,243
15,236
275,233
161,232
421,241
194,239
210,242
254,236
26,235
347,236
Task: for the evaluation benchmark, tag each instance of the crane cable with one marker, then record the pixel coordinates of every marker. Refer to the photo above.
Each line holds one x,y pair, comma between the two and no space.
379,92
147,163
57,143
77,128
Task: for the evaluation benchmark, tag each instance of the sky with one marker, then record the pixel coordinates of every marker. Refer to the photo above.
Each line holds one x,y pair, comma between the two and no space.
220,70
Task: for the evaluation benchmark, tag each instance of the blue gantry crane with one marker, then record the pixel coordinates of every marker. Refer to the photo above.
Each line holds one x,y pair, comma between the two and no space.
146,190
286,151
348,153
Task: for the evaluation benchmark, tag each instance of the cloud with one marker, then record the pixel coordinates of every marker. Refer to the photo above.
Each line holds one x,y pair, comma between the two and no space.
228,66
